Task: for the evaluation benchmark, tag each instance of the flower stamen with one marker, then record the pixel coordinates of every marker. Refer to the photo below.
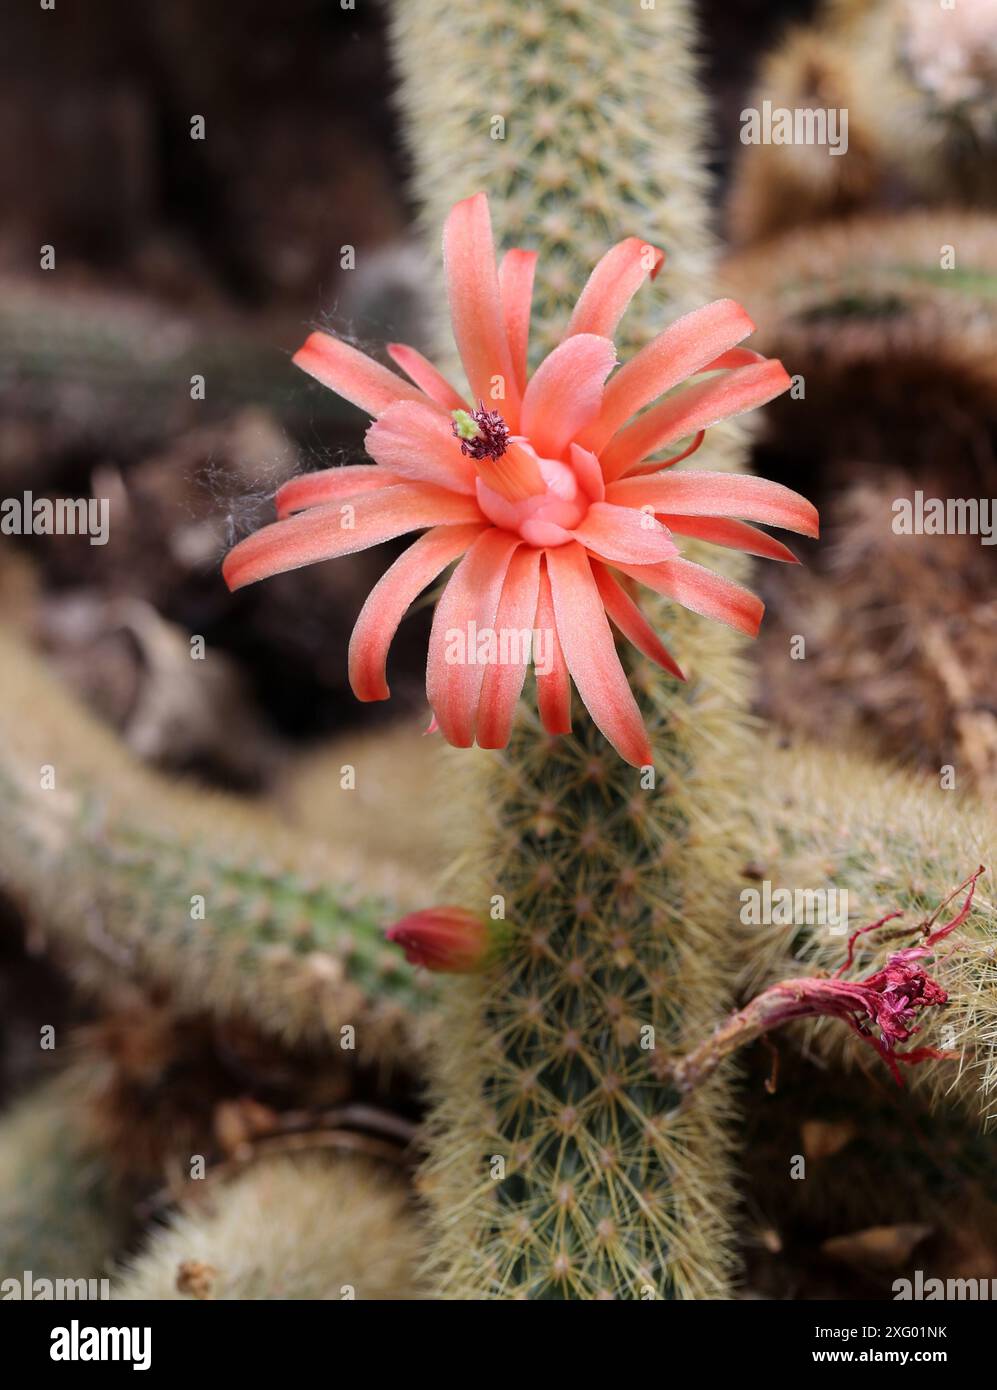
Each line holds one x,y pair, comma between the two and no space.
483,434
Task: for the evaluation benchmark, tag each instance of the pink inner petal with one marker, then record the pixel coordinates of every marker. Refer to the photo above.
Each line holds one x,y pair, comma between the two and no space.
623,533
588,471
414,440
565,392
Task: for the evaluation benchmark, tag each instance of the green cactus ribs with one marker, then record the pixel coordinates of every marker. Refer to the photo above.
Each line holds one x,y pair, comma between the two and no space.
580,1011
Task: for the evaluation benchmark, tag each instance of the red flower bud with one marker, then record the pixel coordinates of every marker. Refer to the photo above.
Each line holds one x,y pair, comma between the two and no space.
448,939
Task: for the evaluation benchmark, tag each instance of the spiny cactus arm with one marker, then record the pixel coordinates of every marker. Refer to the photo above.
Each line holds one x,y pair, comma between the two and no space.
882,285
189,890
309,1227
557,1167
894,842
60,1214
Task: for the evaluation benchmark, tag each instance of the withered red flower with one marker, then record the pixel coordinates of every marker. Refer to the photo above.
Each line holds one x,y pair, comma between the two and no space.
889,1000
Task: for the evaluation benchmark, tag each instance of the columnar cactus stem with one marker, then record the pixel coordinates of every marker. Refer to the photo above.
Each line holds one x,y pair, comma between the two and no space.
192,892
558,1168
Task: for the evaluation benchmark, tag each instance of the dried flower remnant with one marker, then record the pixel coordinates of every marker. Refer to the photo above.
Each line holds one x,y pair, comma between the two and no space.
551,495
889,1000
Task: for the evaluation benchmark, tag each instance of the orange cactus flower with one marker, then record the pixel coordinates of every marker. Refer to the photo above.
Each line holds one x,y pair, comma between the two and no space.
545,488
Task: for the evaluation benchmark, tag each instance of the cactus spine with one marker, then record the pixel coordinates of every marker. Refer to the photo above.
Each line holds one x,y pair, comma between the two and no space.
556,1168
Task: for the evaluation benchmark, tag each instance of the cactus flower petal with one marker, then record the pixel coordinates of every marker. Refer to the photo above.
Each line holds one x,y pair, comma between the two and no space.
476,305
696,408
697,342
621,533
420,370
590,652
625,613
447,939
391,596
612,285
565,392
352,374
330,485
503,680
733,535
333,529
468,606
516,273
553,681
413,441
701,591
544,489
718,494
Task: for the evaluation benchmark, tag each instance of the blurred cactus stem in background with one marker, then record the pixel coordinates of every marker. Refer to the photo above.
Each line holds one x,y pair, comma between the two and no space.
335,1230
558,1167
130,877
61,1214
